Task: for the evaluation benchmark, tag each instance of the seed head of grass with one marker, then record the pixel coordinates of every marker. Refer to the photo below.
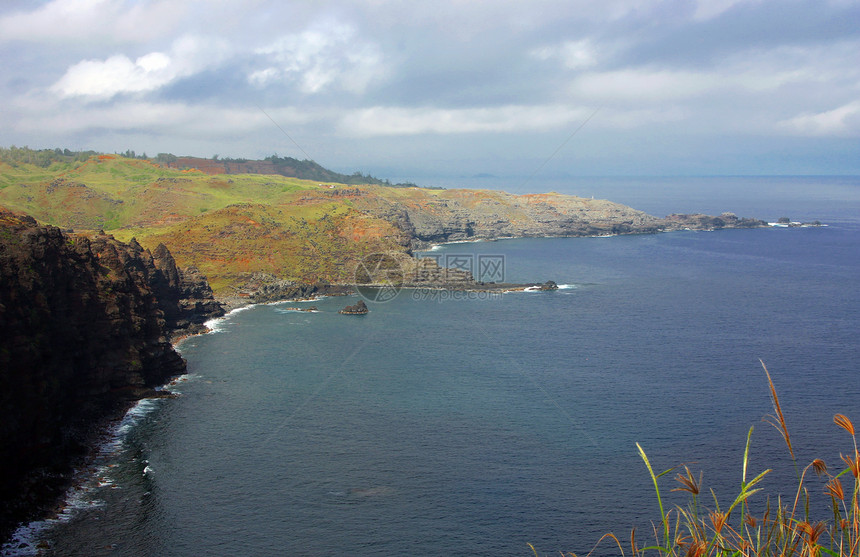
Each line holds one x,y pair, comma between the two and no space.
718,520
696,549
778,419
834,487
819,466
811,533
843,422
853,464
689,482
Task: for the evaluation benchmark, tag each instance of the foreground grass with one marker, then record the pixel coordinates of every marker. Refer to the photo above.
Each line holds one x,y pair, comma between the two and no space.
783,529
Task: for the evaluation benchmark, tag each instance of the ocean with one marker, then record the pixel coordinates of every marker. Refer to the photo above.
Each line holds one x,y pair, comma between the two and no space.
476,424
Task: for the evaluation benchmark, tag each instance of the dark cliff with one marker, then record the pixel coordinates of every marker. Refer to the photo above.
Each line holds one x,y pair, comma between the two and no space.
85,326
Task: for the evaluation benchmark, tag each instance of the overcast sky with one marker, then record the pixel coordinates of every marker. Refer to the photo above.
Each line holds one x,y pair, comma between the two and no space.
411,88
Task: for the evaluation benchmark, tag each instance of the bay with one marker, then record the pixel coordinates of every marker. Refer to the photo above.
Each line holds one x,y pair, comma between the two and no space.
477,425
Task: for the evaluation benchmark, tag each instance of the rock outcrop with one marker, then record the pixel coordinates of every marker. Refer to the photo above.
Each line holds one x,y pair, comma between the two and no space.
359,308
183,295
85,328
548,286
464,215
261,288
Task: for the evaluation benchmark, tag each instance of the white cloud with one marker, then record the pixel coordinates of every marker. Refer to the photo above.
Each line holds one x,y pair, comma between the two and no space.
644,85
103,79
261,78
745,73
637,118
399,121
843,121
325,56
574,55
501,67
381,121
177,119
117,74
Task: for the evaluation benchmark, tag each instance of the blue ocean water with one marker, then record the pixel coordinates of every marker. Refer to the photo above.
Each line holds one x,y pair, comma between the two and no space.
477,425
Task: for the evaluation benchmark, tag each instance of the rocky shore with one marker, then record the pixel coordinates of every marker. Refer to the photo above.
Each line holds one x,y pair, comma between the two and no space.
469,215
262,288
87,323
85,331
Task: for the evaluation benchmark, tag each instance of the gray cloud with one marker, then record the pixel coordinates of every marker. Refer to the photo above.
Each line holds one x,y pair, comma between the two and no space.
416,86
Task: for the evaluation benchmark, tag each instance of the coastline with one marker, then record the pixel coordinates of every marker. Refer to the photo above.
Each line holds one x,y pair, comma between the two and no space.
106,438
236,302
105,431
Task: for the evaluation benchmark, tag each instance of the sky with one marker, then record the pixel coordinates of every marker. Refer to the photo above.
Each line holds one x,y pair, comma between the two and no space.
444,89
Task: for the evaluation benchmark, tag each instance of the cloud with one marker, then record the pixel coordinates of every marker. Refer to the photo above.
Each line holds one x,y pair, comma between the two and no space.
117,74
381,121
709,9
89,20
175,119
643,84
843,121
574,55
103,79
401,121
427,74
325,56
735,78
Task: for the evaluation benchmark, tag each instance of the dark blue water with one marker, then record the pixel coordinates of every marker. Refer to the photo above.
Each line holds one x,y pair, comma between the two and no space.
475,426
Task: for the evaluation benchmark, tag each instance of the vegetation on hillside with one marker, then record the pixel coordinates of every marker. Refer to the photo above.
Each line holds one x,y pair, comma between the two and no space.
310,170
42,158
228,226
234,222
286,166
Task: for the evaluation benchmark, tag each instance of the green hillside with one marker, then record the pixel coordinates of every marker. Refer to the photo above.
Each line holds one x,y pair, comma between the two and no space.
238,227
229,226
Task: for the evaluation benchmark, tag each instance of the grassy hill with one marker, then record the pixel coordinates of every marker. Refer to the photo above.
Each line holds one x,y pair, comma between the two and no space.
229,226
236,228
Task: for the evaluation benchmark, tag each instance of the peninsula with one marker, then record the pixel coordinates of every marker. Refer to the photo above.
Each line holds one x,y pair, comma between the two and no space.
106,259
273,229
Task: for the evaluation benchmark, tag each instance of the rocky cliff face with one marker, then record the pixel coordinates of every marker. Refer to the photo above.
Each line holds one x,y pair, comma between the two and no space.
84,330
458,215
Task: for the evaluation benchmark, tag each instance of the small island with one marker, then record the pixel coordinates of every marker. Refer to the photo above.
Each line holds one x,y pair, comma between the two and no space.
785,222
360,308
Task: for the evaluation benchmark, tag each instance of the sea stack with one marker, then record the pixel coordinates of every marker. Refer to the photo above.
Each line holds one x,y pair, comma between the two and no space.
360,308
549,285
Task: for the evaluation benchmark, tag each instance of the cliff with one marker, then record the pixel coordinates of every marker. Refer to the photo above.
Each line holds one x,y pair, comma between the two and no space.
84,331
461,215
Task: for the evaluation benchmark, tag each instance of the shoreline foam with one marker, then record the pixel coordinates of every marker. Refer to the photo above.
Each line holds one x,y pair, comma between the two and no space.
32,538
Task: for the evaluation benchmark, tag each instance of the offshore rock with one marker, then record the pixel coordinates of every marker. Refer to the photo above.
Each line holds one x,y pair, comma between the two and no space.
360,308
548,285
84,331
